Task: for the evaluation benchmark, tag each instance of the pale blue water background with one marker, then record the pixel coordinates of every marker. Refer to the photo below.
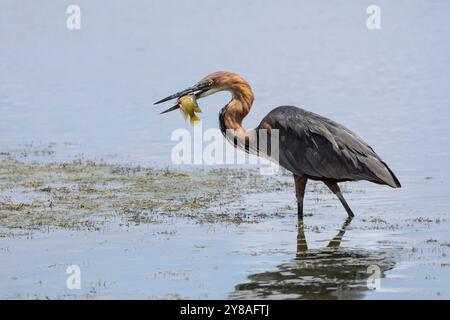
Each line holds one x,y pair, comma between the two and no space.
90,92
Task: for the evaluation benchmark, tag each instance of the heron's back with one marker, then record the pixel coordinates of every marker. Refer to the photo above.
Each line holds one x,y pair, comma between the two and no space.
321,149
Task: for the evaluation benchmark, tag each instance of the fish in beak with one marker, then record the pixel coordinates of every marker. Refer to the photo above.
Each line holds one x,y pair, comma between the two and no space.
188,107
187,101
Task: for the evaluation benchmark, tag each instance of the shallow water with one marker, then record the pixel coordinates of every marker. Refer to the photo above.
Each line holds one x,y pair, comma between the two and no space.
88,94
180,258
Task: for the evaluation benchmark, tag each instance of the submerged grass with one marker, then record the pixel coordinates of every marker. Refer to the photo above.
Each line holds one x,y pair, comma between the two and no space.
85,194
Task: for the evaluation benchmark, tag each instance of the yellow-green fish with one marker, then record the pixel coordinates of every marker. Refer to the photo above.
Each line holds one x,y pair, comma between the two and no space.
188,107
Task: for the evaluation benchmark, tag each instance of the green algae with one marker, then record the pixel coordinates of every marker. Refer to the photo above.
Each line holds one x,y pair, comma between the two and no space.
86,194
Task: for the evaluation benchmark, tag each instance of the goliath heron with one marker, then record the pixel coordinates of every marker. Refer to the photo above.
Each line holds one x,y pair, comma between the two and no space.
310,146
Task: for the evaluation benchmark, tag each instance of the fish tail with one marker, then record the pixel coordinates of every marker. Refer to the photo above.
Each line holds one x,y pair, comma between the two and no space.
194,119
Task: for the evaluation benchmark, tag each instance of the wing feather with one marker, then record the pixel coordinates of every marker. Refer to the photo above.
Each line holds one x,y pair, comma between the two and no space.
320,148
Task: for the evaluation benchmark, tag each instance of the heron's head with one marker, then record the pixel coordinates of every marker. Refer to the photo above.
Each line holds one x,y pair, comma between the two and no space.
212,83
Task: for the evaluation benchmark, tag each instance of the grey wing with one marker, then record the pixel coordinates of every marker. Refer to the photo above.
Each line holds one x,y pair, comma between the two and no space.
317,147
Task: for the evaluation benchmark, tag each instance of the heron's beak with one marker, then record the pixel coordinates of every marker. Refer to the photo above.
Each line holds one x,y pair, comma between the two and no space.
175,107
198,89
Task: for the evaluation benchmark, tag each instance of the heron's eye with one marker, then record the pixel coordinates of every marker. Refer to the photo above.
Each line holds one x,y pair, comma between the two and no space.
210,83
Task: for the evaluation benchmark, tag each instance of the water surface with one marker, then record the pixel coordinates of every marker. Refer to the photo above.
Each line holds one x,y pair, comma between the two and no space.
88,94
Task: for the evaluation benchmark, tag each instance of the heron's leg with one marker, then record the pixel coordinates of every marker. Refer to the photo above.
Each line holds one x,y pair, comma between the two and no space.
300,186
337,191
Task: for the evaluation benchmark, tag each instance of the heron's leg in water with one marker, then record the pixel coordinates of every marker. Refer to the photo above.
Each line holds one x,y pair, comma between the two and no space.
300,185
337,191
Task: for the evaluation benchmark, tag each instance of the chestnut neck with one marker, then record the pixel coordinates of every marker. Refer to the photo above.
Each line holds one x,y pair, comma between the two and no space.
232,115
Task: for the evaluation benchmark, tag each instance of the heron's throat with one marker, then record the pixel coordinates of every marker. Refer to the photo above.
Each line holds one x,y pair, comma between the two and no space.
236,110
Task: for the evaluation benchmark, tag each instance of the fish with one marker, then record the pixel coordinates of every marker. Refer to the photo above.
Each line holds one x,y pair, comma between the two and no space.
188,107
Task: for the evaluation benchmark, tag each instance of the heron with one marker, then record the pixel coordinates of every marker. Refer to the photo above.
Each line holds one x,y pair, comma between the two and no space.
311,147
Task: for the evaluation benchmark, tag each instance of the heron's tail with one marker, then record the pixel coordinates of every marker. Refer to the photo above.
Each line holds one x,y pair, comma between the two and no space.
396,183
381,173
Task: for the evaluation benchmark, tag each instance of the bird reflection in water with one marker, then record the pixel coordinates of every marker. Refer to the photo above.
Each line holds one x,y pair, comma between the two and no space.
332,272
302,245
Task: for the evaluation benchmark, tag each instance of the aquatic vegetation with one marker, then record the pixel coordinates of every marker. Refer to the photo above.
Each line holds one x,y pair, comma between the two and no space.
87,195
